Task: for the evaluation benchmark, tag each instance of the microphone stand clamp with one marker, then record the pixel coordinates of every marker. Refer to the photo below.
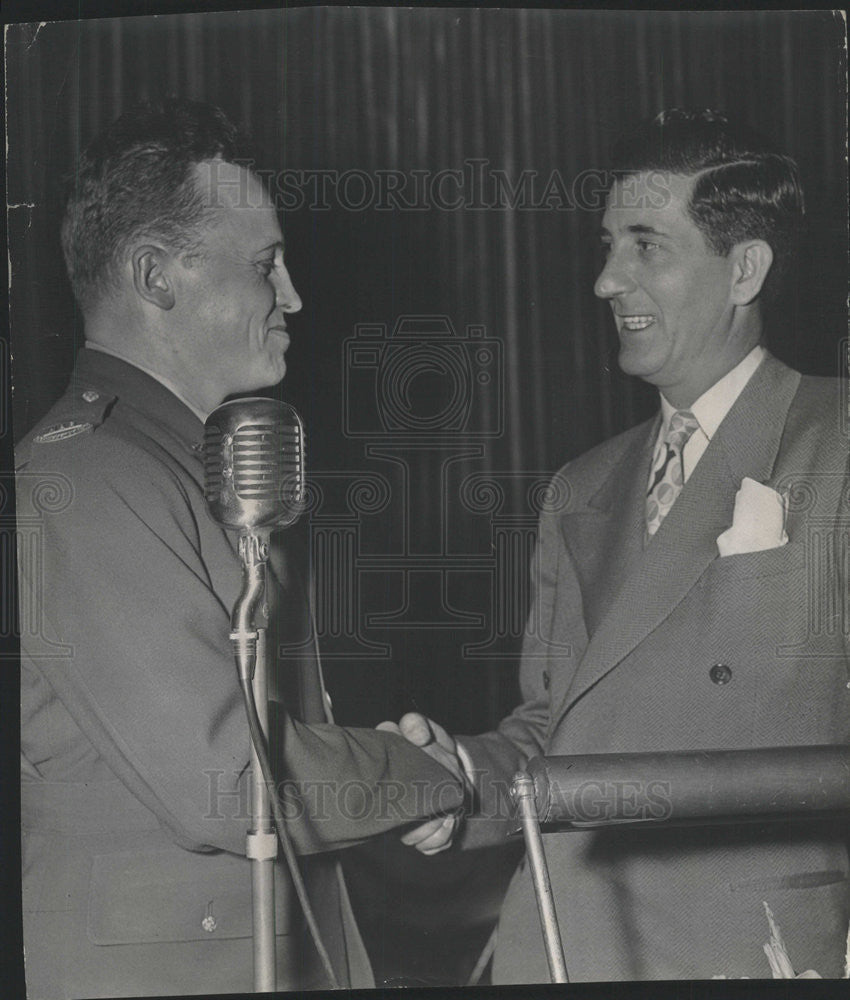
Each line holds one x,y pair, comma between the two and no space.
254,554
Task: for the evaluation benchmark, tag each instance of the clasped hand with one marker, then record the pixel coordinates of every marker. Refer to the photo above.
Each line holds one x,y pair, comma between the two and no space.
435,835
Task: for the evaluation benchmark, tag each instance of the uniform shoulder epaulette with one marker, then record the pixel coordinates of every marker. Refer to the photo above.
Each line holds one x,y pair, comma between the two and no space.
80,412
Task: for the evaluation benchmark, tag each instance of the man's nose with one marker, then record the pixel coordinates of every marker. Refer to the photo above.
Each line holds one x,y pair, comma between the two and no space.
613,280
285,295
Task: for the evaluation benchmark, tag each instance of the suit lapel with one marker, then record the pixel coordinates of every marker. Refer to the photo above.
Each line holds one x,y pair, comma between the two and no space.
606,535
657,579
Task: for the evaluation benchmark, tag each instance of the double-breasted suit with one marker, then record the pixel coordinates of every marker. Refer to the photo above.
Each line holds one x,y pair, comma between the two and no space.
671,647
134,741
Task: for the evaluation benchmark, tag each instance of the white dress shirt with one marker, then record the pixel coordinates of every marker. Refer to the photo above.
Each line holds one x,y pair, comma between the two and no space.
710,409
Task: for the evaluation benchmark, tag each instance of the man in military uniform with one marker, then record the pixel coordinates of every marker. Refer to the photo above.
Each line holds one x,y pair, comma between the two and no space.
134,742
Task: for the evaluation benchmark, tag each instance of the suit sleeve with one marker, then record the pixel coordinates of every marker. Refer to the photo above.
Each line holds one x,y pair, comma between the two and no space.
151,682
497,756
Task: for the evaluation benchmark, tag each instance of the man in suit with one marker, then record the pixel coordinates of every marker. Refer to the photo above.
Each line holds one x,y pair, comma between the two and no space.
135,745
690,593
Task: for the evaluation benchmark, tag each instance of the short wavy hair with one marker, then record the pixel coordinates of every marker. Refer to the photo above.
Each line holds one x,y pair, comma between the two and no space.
136,180
743,188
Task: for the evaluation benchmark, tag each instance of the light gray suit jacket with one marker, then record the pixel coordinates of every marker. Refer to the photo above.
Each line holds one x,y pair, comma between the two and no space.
618,657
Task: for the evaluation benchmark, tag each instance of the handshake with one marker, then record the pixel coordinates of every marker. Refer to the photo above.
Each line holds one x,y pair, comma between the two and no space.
437,834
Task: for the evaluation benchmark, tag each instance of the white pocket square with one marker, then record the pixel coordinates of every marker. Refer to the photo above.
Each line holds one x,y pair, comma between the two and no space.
758,522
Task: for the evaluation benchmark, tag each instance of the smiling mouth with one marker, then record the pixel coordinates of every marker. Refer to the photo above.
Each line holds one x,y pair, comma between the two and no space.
636,322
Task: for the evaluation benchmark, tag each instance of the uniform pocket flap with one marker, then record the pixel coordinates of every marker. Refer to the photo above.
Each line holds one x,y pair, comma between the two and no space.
171,895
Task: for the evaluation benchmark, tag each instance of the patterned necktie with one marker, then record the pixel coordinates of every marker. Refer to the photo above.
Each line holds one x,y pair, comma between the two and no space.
668,476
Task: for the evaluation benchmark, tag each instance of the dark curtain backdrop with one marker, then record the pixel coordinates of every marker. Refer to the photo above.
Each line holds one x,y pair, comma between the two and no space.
428,461
536,95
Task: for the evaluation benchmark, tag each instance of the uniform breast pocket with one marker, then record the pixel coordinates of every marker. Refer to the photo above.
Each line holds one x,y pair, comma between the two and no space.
170,895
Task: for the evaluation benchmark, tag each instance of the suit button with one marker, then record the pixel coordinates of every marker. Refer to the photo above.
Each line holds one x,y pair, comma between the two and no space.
720,674
90,396
546,680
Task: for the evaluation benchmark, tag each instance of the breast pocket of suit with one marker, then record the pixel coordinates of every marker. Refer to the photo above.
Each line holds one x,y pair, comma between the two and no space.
798,591
760,595
774,652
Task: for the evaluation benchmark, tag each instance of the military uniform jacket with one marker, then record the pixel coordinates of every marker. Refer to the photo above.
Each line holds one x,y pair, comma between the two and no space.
671,647
135,747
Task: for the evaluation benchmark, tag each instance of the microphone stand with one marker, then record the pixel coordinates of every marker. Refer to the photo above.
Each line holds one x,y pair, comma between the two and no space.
254,481
248,638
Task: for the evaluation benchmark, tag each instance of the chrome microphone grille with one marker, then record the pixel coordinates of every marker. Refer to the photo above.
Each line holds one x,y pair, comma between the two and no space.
254,463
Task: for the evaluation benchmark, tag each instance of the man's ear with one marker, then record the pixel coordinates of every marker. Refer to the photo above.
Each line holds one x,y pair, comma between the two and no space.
753,259
150,276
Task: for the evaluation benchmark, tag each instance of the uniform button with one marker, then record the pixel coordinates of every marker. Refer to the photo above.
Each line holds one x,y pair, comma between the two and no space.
546,680
720,674
90,396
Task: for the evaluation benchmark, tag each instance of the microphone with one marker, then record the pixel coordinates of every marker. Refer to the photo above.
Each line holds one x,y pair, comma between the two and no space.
253,482
254,464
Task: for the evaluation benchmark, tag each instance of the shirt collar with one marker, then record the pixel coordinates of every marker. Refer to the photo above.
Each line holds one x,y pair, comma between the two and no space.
149,371
713,405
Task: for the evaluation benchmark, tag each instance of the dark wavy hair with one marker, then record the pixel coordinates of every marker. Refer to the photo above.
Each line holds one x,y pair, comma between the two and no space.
743,188
136,180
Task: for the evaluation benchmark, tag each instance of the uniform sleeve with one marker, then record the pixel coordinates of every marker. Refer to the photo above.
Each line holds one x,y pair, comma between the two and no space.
151,682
